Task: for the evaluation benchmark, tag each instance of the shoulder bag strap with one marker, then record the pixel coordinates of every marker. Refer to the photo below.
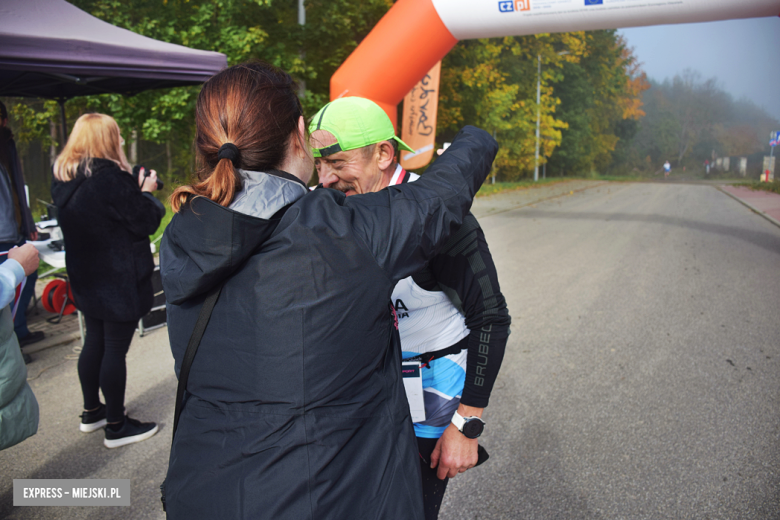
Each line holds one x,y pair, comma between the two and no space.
192,349
189,356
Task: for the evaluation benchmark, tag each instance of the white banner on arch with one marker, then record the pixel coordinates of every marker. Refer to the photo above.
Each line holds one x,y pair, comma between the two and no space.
467,19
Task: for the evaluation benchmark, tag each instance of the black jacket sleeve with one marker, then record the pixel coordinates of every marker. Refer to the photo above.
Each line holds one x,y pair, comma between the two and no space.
405,225
139,211
465,271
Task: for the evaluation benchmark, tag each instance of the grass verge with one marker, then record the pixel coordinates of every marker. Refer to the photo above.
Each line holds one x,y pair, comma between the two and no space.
499,187
773,186
43,267
490,189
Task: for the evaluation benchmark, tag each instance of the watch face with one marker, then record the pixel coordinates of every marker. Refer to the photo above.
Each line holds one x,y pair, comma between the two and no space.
473,428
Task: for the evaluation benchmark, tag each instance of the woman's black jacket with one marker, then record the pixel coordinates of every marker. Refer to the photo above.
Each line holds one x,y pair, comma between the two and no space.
106,221
295,407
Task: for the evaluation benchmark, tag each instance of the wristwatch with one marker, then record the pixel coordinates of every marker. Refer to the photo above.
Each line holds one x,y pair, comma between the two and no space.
471,427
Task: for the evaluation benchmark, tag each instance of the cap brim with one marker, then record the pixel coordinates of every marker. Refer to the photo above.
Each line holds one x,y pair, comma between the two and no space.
402,145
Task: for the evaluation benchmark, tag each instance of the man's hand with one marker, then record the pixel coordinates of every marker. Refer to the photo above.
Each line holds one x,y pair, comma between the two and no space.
34,236
26,255
454,452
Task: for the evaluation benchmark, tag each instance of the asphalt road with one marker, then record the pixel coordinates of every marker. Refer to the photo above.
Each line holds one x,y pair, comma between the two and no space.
641,378
60,451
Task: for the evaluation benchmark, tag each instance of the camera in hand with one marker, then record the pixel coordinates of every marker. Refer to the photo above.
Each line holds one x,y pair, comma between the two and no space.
147,172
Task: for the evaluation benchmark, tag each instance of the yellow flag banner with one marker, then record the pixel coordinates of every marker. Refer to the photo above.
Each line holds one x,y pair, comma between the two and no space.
419,124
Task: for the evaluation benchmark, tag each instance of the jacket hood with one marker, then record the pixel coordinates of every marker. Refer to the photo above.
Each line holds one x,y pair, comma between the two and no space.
205,243
61,192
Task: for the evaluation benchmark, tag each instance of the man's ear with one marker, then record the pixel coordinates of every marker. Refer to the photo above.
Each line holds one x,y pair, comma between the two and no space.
386,155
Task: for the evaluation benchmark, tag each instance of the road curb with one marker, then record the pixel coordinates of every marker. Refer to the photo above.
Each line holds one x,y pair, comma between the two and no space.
750,207
52,341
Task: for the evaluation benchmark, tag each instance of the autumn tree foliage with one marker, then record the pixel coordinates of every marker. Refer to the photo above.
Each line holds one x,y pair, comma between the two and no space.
601,101
491,83
159,124
590,85
690,120
595,111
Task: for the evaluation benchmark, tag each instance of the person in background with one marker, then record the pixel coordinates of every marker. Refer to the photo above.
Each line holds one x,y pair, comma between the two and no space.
18,406
452,316
16,222
106,217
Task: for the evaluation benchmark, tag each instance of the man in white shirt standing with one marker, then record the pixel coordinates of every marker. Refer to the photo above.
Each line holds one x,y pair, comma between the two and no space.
452,317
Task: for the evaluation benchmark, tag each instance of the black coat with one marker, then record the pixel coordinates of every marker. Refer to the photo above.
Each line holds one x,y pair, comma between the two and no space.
14,169
295,406
106,221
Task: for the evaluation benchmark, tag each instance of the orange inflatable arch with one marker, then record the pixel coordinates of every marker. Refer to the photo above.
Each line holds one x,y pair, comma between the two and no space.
415,34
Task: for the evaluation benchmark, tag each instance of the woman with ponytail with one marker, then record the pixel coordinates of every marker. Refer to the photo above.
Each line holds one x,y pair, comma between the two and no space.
294,405
106,217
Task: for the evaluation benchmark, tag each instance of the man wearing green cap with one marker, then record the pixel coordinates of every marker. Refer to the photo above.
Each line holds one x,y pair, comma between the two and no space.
452,317
352,130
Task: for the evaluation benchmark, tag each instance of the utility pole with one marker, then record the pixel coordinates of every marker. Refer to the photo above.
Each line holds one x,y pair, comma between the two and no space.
771,171
538,113
302,22
133,147
493,168
53,146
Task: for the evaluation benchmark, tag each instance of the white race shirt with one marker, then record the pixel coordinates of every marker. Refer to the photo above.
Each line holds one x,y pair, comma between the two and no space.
428,321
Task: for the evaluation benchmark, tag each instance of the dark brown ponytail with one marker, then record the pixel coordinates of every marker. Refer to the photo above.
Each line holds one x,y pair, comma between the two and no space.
244,118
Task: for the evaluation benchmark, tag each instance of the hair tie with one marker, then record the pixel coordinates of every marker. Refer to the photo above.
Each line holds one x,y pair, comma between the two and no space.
228,151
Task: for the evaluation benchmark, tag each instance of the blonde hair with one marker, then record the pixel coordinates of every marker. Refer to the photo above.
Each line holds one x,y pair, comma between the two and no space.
94,136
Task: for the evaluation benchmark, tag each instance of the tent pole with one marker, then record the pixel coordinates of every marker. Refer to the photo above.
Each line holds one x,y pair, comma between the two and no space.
61,102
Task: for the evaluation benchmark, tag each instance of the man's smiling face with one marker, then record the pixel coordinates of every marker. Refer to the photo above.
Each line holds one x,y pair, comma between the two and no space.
352,171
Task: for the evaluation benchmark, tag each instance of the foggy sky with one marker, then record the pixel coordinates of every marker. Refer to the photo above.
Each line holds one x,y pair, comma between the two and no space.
743,54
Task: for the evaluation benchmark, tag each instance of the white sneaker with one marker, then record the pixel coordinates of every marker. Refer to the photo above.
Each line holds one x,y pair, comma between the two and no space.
94,420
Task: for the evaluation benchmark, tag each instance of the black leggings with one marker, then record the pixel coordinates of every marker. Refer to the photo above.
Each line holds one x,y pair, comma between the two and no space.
102,365
433,488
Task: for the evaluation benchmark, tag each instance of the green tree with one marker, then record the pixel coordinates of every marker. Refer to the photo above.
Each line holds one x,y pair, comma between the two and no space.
491,83
600,101
241,29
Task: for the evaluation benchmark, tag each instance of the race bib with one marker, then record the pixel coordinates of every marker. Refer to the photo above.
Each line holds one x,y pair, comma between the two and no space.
414,391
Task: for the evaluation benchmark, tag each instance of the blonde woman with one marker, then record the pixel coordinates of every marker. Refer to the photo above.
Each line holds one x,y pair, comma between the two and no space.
106,218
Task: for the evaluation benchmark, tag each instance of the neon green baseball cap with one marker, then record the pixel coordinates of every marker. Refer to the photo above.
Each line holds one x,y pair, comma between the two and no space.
354,122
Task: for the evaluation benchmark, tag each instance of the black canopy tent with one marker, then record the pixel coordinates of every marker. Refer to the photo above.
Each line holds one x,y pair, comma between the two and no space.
51,49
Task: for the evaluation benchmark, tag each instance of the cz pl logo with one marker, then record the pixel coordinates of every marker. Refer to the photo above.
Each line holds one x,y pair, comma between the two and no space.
594,2
509,6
